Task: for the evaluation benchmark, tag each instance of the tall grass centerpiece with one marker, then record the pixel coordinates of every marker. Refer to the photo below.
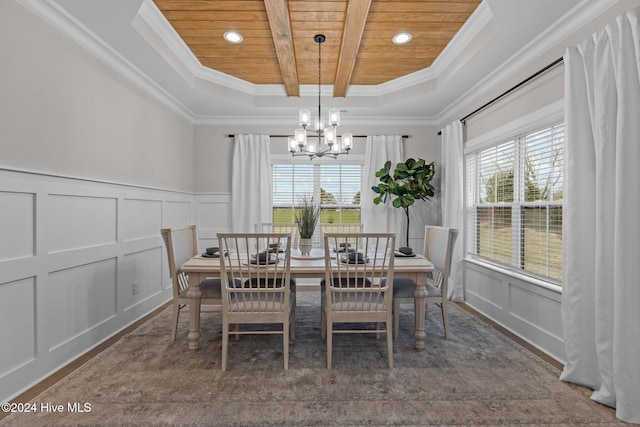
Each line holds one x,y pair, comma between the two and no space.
307,216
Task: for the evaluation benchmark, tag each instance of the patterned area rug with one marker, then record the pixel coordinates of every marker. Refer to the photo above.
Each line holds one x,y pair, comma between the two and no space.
476,377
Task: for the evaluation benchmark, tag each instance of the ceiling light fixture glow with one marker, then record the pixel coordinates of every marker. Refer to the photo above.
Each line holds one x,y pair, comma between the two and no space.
401,38
233,37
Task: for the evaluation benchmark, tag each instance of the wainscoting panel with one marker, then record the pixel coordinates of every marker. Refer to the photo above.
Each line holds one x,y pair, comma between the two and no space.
76,222
536,310
16,225
142,218
522,306
212,216
177,213
140,277
77,300
17,303
80,260
488,292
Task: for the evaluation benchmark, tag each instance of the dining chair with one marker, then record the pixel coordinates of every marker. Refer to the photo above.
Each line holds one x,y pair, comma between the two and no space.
181,244
280,227
358,287
341,228
257,287
438,248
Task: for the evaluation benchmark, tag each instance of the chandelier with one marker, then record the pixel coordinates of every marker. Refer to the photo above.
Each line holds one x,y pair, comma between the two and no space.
307,141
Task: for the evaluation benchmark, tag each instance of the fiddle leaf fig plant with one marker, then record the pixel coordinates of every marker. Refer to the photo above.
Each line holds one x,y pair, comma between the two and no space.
409,181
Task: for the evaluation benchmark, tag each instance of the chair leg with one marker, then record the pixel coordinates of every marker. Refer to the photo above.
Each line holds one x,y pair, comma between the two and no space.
323,321
292,327
329,344
285,343
237,330
292,322
225,344
396,318
445,318
389,343
174,325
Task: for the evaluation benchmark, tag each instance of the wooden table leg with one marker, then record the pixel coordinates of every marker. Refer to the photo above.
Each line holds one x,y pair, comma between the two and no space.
194,294
419,294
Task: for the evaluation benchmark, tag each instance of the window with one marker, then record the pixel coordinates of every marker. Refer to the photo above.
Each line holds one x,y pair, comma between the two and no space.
514,202
335,185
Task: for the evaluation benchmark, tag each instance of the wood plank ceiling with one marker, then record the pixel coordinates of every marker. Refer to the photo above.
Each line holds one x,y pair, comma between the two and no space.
278,46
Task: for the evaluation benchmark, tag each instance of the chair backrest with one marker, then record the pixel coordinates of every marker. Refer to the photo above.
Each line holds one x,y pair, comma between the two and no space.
276,227
360,278
255,272
341,228
280,227
438,248
181,244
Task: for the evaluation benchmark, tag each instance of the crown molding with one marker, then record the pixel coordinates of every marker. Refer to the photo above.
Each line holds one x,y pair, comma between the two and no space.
579,15
155,29
352,120
50,12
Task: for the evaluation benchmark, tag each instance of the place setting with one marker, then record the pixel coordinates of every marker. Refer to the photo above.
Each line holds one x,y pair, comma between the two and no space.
405,252
212,252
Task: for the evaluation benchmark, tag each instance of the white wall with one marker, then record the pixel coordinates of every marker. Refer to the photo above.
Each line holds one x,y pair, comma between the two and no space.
214,153
213,149
529,308
91,167
63,111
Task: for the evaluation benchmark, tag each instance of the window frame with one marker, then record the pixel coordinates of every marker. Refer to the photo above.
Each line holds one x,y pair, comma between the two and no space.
351,159
531,123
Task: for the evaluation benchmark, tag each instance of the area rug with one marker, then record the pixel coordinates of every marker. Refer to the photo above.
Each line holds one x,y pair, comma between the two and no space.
476,377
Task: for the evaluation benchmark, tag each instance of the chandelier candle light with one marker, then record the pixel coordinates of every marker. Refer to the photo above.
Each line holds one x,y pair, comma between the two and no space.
302,144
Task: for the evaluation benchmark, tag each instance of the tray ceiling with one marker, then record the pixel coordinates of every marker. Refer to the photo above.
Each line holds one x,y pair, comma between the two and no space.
279,48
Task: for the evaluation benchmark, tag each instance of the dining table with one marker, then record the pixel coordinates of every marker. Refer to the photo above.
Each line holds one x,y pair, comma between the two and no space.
311,266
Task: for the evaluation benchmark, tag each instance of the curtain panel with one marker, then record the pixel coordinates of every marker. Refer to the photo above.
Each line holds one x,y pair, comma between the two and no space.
251,189
452,186
601,292
382,217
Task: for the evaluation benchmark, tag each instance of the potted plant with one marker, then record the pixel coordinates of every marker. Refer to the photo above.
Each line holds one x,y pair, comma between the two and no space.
307,216
409,182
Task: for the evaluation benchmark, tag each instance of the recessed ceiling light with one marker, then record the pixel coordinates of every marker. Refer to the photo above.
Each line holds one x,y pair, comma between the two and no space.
401,38
233,37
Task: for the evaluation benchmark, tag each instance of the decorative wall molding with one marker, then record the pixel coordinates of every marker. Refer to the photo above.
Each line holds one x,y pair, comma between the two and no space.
81,259
520,305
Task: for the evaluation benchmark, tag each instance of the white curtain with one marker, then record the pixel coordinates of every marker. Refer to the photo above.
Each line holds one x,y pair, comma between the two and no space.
251,191
601,289
383,217
452,170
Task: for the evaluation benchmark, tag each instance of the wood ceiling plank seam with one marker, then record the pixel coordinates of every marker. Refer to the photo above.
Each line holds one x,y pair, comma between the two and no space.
355,21
279,21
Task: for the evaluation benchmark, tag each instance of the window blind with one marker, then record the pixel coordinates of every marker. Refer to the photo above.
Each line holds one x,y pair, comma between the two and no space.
514,202
337,187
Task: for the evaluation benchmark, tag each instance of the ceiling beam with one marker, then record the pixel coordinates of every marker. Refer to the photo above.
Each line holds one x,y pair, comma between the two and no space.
278,13
354,22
